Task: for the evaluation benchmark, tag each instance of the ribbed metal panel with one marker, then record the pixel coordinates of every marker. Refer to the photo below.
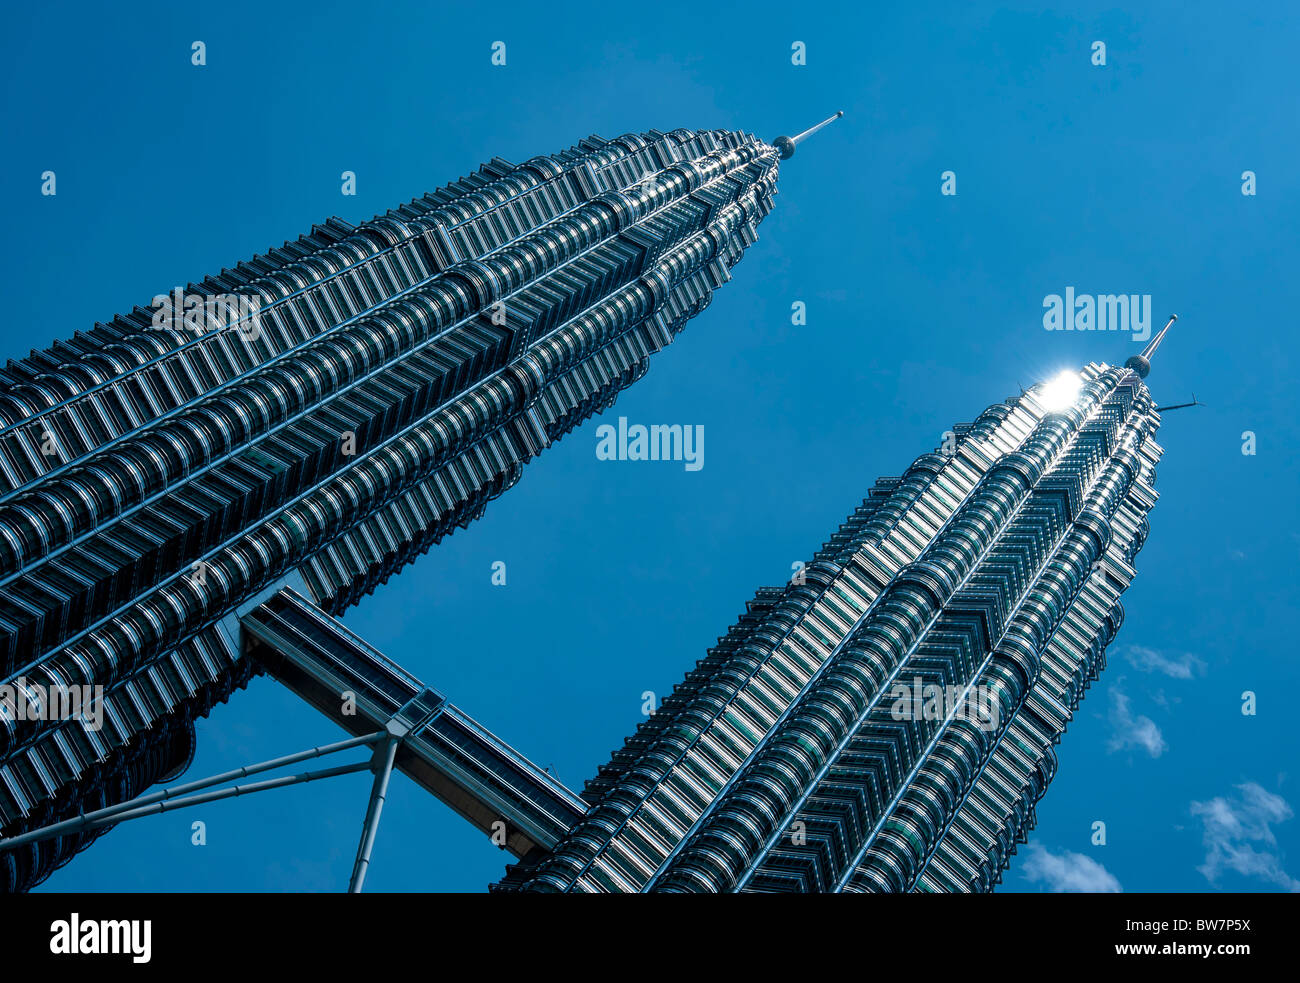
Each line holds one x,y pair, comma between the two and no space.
449,341
995,564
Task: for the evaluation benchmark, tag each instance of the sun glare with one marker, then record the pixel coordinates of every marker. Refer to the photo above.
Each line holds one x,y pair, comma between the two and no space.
1061,391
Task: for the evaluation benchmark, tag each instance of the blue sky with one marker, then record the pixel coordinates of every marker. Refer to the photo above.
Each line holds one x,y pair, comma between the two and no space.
922,310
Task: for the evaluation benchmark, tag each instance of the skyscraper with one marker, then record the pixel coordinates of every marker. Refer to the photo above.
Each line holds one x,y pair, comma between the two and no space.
317,417
886,721
197,489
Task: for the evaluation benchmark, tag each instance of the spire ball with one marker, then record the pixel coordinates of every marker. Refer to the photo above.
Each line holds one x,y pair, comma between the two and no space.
1141,364
786,145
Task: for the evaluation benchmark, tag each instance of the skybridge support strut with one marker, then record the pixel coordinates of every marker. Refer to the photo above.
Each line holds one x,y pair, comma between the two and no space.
378,792
179,796
411,728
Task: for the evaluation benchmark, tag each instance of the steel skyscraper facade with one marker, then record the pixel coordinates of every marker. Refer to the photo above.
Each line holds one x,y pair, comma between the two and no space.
792,758
325,411
190,502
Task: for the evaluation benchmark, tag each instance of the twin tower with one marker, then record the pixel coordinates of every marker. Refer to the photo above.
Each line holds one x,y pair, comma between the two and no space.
193,491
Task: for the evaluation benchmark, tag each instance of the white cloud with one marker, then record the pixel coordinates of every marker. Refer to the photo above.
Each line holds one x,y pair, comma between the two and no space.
1068,872
1164,700
1149,660
1131,731
1234,827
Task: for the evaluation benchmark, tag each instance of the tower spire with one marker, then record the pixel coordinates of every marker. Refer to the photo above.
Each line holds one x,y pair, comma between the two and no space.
1141,364
786,145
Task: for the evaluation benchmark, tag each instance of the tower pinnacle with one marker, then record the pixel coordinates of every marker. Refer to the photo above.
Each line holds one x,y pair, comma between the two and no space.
786,145
1141,364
